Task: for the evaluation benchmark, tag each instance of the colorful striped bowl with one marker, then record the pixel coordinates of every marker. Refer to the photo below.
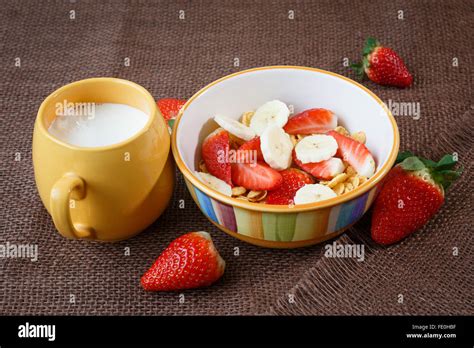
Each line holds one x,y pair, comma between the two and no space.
301,87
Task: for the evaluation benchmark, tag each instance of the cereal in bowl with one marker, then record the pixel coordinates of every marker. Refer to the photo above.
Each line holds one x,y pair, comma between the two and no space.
270,157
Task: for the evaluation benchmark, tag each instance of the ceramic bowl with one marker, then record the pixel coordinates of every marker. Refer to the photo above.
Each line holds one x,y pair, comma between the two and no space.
281,226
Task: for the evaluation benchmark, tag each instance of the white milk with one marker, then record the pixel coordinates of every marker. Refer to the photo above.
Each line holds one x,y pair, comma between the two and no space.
98,124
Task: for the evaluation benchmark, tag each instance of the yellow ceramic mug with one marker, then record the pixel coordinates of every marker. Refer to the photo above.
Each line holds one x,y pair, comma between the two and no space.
105,193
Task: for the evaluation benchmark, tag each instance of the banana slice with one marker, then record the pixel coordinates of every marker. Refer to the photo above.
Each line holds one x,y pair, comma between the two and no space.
272,112
276,147
215,183
235,127
316,148
311,193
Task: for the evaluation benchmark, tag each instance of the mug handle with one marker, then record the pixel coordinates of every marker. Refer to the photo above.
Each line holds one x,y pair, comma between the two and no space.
70,186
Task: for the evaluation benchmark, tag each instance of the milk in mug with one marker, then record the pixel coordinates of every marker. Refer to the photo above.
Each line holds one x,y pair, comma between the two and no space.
93,124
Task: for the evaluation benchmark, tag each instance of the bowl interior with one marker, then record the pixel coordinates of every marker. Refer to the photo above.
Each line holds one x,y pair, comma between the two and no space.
300,88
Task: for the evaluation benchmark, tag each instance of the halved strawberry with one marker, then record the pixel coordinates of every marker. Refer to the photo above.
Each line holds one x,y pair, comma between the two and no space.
293,180
324,170
251,145
170,107
215,150
311,121
355,153
258,176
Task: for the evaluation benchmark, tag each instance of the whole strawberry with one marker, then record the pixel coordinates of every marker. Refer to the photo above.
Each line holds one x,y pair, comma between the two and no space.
412,193
383,65
190,261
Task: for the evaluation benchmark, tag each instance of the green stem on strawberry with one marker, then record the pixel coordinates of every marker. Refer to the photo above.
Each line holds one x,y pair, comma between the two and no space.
370,45
442,172
360,67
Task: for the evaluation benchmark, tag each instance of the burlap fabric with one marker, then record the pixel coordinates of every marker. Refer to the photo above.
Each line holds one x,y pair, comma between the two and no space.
175,57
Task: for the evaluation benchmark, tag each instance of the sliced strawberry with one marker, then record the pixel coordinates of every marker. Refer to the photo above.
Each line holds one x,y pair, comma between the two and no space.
324,170
258,176
190,261
293,180
245,150
170,107
355,153
215,151
311,121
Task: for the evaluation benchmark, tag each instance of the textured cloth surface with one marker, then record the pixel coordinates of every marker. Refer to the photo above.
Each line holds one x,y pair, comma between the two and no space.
173,57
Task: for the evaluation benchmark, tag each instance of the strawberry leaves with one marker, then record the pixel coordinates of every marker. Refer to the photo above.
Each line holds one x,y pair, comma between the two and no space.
361,67
370,44
447,162
358,69
403,155
442,172
446,177
412,164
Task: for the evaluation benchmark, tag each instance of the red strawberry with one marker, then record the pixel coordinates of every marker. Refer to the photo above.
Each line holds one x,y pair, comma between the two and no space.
324,170
383,66
258,176
170,107
251,145
354,153
215,150
293,180
311,121
412,193
190,261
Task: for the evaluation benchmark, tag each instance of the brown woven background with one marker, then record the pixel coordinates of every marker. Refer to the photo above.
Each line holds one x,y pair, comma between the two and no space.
173,57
